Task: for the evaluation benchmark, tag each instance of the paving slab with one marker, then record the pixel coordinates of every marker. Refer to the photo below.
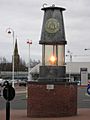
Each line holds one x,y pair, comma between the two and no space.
83,114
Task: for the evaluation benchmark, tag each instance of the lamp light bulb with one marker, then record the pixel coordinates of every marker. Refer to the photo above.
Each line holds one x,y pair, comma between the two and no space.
52,59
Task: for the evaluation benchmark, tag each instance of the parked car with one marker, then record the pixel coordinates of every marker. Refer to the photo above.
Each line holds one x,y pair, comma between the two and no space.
1,81
22,82
15,81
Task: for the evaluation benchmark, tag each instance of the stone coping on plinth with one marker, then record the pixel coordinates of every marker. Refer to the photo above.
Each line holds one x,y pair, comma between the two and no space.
50,82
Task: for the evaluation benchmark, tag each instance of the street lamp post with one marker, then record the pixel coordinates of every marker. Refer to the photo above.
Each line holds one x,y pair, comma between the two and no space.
11,31
70,55
29,42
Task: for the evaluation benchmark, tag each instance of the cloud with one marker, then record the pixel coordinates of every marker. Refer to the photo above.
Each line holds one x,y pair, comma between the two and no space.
25,18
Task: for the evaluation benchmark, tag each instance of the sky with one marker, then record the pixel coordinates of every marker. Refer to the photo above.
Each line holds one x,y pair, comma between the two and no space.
25,18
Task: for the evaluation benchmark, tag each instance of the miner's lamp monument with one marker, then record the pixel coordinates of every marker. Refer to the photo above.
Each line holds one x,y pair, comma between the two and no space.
52,95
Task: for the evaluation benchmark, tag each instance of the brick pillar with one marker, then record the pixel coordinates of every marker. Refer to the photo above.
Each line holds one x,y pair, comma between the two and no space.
57,102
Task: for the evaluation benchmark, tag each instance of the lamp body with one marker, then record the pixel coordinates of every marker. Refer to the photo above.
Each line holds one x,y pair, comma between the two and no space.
53,45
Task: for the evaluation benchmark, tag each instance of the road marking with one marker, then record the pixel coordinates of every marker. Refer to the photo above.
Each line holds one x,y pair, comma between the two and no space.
19,92
87,94
86,100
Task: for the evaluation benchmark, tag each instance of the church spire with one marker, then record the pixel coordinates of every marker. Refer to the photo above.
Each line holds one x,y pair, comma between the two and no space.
16,57
16,48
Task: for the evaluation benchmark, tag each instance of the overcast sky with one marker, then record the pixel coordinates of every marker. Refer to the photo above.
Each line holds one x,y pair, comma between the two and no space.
25,18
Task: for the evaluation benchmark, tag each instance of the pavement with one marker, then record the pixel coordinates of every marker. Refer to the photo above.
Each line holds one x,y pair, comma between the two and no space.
83,114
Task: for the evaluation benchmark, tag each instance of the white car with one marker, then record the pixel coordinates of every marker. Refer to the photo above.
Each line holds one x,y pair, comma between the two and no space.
1,81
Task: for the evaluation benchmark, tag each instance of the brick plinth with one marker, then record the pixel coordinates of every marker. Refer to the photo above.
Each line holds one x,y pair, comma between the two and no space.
57,102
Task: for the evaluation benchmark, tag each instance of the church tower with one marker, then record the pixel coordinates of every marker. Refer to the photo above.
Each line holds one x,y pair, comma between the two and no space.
16,57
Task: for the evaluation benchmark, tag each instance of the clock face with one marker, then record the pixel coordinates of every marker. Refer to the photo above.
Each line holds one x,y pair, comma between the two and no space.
52,25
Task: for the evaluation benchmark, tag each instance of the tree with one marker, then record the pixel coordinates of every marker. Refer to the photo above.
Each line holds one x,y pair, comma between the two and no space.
7,66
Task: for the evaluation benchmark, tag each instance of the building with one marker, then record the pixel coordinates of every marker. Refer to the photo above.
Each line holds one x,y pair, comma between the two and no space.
75,70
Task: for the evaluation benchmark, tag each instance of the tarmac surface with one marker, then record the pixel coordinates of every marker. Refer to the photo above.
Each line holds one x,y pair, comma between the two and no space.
83,114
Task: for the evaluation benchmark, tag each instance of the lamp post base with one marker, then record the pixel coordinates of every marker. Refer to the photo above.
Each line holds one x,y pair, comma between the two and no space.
56,100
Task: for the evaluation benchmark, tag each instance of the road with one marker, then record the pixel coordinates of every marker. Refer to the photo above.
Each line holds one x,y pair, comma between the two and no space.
20,100
83,99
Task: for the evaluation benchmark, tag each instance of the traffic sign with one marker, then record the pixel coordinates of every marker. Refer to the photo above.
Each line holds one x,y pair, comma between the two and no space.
9,93
88,89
